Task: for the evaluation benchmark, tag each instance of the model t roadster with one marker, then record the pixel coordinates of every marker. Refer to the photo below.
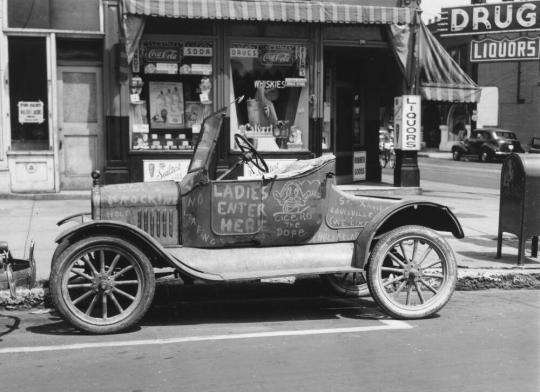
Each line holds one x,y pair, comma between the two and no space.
290,223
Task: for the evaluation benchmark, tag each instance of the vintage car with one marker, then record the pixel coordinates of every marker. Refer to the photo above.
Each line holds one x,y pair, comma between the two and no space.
290,223
487,144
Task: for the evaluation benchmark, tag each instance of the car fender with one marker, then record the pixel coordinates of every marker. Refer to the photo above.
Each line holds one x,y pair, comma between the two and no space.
460,147
488,146
432,215
158,255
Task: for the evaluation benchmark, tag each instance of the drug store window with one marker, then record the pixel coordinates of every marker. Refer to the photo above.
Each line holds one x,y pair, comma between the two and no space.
273,78
171,93
28,93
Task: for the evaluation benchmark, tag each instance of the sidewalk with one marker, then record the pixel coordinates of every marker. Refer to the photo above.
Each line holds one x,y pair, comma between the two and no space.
26,218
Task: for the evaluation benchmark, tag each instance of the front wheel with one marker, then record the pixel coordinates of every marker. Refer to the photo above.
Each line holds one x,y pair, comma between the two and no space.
347,284
102,284
412,272
456,155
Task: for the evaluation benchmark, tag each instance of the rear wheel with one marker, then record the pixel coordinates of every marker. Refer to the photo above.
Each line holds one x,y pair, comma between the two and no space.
348,284
102,284
412,272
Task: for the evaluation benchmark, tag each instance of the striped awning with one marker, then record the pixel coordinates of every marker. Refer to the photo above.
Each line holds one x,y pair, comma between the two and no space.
442,79
270,11
450,93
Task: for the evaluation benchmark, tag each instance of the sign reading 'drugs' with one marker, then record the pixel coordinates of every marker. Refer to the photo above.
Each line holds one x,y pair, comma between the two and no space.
490,18
522,48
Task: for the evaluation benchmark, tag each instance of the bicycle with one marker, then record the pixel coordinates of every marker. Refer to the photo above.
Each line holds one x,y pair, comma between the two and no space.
387,155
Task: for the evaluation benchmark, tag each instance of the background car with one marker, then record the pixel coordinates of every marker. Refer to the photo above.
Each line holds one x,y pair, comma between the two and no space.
487,144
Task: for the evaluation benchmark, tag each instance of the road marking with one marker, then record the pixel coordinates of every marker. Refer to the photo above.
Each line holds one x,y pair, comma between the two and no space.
387,325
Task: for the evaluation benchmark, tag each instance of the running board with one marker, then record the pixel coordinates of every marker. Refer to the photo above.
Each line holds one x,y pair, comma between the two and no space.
269,262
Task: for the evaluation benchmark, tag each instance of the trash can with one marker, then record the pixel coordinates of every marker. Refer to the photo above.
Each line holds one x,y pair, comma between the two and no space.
519,209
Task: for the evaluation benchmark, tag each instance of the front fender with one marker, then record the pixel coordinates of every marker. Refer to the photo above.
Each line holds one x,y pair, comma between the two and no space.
432,215
152,248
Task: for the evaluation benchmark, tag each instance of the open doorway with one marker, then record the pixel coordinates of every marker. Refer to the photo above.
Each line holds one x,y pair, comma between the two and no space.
359,87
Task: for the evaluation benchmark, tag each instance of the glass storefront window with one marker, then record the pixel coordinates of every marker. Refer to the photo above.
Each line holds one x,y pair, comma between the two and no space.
273,79
28,93
172,92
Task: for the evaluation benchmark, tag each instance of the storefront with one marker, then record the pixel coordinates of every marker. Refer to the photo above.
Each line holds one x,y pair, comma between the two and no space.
122,86
318,78
51,134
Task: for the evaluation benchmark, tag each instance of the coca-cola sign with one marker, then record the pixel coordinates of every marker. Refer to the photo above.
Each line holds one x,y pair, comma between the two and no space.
162,54
277,57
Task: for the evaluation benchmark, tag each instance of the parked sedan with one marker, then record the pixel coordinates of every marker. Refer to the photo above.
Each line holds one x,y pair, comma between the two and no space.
487,144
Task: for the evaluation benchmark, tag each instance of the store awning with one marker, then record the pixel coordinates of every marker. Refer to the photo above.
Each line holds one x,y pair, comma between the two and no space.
439,77
269,11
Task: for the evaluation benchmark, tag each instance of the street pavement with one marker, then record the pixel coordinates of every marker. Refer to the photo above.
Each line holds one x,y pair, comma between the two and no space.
26,218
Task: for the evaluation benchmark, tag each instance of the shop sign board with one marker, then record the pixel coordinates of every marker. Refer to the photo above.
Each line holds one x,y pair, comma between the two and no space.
162,54
164,169
359,166
490,18
30,112
522,48
407,123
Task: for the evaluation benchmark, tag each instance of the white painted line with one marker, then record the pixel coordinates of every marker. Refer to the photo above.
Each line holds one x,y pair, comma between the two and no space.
387,324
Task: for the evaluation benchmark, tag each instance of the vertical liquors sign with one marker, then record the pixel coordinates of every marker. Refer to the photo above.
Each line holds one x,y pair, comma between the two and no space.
407,123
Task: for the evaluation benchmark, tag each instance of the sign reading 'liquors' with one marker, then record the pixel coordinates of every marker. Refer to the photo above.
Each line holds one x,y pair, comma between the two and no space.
490,18
407,122
522,48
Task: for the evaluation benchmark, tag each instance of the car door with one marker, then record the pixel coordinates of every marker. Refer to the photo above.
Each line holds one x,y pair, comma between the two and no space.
474,142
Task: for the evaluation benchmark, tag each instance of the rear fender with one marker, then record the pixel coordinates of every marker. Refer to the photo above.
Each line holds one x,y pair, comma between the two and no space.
157,255
432,215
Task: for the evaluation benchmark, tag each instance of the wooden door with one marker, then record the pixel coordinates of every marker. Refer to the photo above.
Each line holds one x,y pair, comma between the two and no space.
80,125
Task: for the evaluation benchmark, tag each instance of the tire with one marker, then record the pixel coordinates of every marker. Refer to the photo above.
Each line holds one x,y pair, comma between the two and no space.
417,285
486,156
456,155
348,284
102,284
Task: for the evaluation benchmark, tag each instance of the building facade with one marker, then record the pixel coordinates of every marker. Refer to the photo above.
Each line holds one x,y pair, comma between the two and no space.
122,86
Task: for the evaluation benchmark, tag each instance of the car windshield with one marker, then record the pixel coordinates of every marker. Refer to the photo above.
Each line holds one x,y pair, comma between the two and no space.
505,135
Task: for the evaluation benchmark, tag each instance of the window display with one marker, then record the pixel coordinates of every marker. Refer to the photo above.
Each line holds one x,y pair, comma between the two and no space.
273,78
171,95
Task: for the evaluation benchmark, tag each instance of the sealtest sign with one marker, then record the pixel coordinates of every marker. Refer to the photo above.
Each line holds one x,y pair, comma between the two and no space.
407,122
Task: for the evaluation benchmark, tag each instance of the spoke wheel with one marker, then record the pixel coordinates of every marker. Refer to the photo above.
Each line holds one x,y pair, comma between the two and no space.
412,272
102,284
348,284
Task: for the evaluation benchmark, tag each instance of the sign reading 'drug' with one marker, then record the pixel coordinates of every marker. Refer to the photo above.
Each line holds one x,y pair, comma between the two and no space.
490,18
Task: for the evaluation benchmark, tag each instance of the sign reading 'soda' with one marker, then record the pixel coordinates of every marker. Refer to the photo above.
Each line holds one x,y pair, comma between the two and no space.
490,18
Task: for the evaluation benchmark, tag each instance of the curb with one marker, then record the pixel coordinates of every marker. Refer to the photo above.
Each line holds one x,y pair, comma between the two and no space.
470,281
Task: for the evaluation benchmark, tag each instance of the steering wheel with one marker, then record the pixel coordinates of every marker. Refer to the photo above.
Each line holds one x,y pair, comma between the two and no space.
249,153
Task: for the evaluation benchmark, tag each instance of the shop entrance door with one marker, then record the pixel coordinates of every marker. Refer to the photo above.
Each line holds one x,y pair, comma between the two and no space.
80,125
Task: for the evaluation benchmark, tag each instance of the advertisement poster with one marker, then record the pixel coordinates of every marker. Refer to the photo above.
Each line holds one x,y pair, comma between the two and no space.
196,112
165,170
30,112
359,166
166,105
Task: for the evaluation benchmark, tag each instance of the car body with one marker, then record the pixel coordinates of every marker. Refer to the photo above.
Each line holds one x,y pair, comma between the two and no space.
290,223
487,144
534,146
